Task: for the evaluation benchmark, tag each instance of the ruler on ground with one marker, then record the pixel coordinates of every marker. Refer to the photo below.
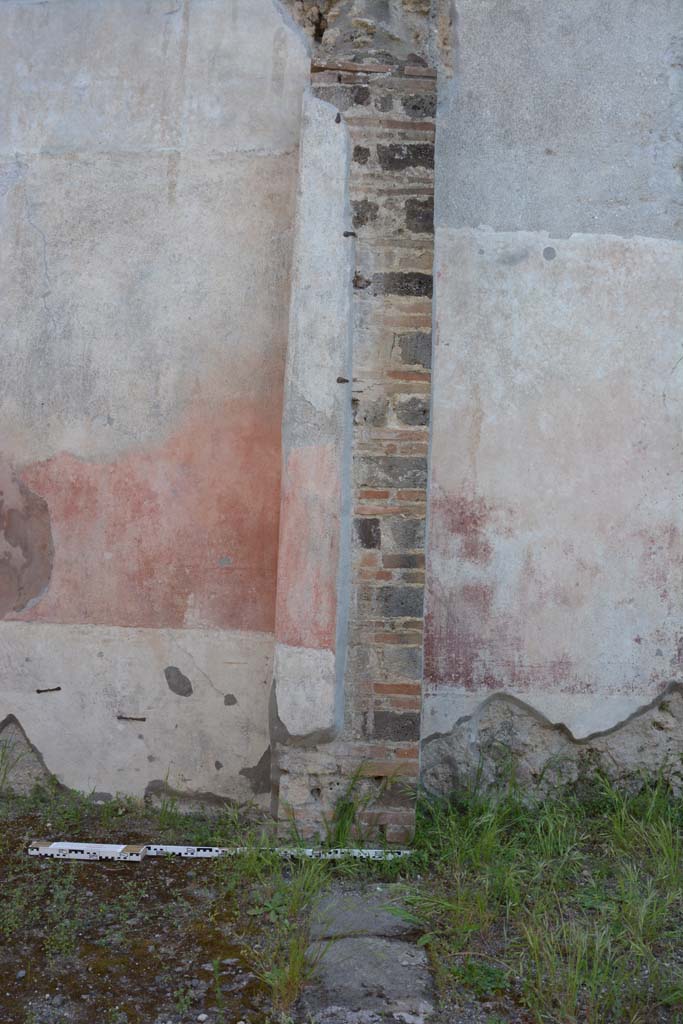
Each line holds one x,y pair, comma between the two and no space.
137,852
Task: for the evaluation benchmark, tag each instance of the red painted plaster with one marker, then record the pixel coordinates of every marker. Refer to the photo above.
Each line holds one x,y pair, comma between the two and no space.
309,549
183,534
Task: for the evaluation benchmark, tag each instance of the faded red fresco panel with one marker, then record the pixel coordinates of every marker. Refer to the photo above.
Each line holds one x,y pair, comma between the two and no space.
184,534
555,560
309,549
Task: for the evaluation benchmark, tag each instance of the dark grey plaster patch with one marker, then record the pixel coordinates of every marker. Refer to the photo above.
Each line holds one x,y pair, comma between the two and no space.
178,683
408,471
230,700
411,283
415,348
405,534
420,215
400,602
403,661
364,212
218,765
344,96
413,411
398,726
259,776
419,105
368,532
398,156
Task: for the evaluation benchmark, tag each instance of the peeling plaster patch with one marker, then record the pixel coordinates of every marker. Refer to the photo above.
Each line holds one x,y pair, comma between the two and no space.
26,548
22,763
259,775
505,733
309,701
177,682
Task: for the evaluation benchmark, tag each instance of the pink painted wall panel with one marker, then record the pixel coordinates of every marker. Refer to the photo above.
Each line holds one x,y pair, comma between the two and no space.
309,548
183,533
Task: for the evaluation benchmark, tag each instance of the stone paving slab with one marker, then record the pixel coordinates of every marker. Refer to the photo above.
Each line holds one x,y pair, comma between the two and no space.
343,914
365,975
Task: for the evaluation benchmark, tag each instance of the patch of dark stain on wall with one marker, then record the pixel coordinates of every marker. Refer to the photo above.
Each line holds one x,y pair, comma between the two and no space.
230,700
259,775
26,548
468,519
177,682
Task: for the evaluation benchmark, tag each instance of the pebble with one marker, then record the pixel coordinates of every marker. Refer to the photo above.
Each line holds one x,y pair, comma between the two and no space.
203,1016
20,975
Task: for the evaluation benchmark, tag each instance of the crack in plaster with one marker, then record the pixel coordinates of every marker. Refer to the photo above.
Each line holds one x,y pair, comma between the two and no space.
46,270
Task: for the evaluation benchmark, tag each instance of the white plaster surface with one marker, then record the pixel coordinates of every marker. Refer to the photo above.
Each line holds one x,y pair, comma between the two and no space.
563,117
316,422
148,158
104,672
306,687
555,561
319,348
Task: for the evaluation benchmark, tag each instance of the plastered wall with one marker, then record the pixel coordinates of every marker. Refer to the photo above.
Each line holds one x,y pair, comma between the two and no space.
554,567
148,162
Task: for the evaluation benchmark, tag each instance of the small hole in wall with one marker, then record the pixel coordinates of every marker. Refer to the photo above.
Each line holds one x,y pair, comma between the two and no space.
379,779
320,28
316,792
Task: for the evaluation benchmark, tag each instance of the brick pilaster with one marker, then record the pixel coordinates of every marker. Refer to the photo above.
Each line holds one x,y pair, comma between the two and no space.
390,111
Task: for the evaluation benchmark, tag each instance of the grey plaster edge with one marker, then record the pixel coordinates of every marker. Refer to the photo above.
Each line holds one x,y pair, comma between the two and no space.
501,697
323,179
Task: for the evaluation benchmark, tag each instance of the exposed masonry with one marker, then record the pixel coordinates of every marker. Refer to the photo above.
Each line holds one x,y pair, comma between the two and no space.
506,737
26,547
389,109
401,27
21,764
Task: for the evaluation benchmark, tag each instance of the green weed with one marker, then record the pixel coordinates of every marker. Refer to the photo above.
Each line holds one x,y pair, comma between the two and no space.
482,978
